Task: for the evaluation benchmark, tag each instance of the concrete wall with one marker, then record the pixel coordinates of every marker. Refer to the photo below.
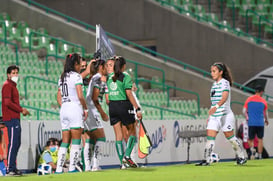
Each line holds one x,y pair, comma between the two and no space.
183,78
175,35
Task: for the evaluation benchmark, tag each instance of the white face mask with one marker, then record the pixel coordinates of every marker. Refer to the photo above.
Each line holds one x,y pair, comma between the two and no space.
14,79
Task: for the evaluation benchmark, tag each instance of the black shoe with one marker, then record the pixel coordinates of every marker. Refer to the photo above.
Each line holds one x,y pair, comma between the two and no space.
15,173
241,161
130,162
79,166
202,163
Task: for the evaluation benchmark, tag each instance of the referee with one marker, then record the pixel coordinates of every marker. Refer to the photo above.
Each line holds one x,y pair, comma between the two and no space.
121,109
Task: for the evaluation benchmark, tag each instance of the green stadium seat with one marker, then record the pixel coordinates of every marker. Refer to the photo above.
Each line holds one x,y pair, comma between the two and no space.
64,49
158,84
250,3
199,9
269,28
243,10
261,10
235,3
266,3
212,18
14,34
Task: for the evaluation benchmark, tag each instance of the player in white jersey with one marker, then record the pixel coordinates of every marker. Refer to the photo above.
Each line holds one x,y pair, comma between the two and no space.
73,111
94,127
221,116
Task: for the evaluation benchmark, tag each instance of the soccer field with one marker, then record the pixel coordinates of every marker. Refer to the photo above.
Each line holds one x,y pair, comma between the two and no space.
253,170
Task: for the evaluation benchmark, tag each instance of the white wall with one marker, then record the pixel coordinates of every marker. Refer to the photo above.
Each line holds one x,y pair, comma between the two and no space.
167,146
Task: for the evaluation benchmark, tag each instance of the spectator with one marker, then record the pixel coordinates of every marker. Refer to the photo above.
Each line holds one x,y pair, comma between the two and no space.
243,134
50,153
3,146
11,110
255,110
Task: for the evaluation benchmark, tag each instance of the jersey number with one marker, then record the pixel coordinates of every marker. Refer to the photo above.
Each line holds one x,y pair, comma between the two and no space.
64,90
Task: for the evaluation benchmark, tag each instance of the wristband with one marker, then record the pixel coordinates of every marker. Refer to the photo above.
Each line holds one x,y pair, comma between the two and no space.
138,109
217,106
86,110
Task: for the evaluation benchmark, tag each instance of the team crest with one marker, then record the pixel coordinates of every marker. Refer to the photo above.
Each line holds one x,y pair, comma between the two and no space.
113,86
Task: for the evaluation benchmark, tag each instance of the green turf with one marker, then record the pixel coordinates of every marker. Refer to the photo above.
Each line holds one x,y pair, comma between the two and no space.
257,170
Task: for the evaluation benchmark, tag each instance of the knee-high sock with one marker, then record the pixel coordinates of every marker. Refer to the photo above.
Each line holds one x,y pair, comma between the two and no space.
87,155
120,151
237,146
130,145
209,148
97,152
61,157
74,154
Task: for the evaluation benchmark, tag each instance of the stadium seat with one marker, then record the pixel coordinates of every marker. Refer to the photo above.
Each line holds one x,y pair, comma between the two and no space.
235,3
250,3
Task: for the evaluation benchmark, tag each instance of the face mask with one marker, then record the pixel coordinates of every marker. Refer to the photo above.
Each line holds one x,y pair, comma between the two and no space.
53,149
14,79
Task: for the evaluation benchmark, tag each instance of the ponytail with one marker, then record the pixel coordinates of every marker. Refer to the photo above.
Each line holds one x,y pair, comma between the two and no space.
119,63
70,61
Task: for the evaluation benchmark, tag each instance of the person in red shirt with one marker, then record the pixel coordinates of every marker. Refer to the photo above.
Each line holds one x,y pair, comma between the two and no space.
11,110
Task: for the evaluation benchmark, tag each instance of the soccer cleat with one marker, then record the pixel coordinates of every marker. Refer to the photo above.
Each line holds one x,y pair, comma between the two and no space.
130,162
241,161
79,166
202,163
94,169
15,173
123,167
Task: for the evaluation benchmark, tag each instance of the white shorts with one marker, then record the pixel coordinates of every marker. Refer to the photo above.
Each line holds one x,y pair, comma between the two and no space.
71,116
93,120
225,123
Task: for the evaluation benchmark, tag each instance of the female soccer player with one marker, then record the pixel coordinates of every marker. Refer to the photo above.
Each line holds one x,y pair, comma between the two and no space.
93,125
121,109
73,111
220,114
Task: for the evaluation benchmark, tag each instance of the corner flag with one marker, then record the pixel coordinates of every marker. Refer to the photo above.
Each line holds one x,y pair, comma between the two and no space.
103,44
144,142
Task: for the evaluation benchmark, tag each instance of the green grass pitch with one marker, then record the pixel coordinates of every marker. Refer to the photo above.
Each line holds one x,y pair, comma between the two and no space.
257,170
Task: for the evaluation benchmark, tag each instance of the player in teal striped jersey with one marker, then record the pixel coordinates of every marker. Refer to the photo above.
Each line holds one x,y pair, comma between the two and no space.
221,116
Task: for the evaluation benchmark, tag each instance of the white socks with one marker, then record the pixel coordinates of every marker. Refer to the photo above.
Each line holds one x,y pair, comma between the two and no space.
61,159
237,146
97,153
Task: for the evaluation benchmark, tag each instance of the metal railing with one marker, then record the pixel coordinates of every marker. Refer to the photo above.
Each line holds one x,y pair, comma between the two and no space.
38,110
261,17
37,78
168,87
16,49
167,110
137,64
57,40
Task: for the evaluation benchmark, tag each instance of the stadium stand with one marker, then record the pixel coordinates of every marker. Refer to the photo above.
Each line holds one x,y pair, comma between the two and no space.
38,76
250,19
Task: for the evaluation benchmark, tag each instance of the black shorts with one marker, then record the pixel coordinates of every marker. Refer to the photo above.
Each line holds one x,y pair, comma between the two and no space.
255,130
121,111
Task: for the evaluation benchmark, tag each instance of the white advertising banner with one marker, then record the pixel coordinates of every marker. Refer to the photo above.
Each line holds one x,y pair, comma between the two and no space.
167,147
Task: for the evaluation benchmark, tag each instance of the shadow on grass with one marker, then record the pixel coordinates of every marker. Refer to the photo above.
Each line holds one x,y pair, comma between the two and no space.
142,169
